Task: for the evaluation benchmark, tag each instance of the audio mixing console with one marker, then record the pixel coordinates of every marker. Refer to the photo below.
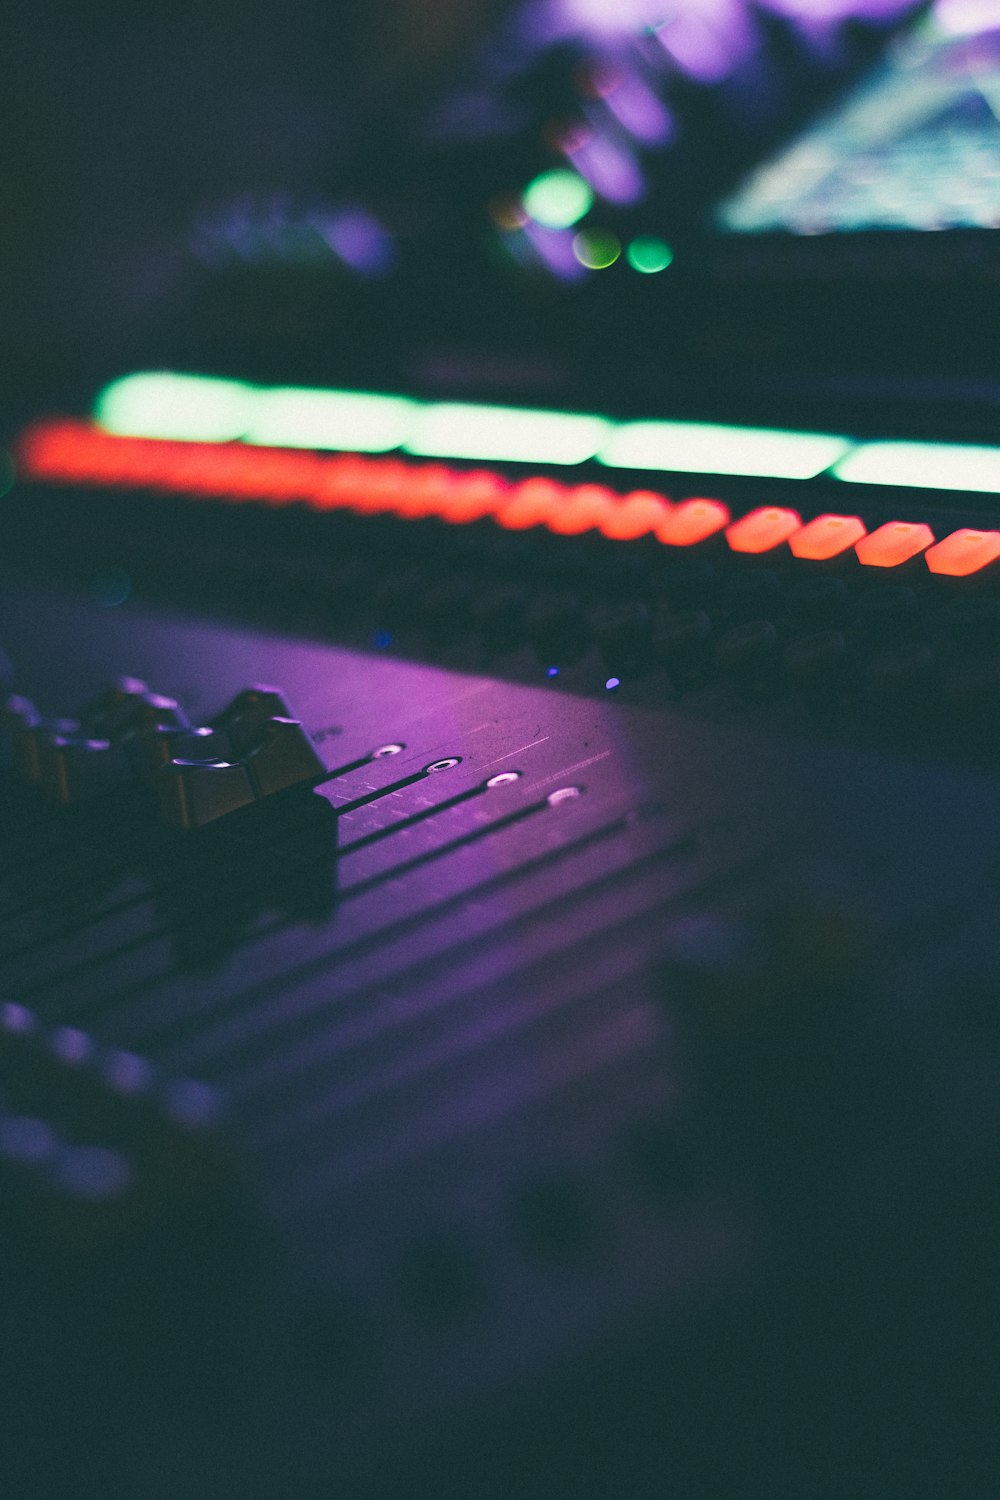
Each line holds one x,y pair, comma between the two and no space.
508,1018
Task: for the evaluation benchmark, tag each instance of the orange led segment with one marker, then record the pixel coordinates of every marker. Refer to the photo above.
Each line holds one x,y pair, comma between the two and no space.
341,481
583,509
385,481
425,491
826,537
964,552
473,495
634,515
692,521
894,543
532,503
762,530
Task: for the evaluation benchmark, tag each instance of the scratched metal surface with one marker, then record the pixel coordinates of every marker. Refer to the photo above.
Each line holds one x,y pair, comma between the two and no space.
426,996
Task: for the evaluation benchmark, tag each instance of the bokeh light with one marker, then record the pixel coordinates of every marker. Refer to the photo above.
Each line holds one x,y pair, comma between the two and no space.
558,198
648,254
596,248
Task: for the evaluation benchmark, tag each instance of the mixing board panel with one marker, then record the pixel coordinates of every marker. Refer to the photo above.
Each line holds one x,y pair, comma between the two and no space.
525,1099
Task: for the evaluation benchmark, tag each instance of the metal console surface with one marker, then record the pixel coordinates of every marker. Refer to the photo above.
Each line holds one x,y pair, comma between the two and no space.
610,1097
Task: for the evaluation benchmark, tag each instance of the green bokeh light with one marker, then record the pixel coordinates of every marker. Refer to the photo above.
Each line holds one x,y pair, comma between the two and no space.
358,421
710,448
558,198
648,254
936,466
197,408
596,248
191,408
451,429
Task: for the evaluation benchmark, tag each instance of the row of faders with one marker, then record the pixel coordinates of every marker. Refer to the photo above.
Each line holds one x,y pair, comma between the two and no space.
254,748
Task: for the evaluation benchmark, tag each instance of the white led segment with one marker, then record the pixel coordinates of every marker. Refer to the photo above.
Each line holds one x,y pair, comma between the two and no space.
929,466
710,448
455,430
354,421
188,408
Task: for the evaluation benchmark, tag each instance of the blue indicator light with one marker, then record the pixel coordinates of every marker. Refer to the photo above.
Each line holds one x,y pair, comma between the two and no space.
382,639
612,683
552,672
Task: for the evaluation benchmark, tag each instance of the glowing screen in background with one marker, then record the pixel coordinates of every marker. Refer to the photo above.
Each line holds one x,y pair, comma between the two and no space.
917,146
595,201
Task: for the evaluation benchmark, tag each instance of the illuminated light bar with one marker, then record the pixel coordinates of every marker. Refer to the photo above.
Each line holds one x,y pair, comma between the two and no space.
692,521
163,405
929,466
639,514
964,552
452,429
583,509
827,536
64,450
894,543
353,420
763,530
191,408
709,448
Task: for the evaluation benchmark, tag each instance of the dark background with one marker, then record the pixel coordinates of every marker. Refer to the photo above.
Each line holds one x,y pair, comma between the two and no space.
121,127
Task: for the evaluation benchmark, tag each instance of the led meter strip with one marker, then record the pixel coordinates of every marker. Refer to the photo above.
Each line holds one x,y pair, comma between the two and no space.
200,436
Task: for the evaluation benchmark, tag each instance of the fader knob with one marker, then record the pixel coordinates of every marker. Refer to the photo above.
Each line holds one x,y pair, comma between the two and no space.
268,752
193,793
284,756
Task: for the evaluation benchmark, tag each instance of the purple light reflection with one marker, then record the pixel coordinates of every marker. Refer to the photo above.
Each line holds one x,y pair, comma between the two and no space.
838,10
637,108
555,249
610,168
360,241
708,41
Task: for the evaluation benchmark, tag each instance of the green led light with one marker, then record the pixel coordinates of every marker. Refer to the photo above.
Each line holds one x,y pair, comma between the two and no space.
196,408
707,448
648,254
190,408
456,430
557,199
932,466
596,248
353,420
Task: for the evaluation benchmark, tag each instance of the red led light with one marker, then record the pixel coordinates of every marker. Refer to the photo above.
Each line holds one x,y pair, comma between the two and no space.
582,509
964,552
224,475
425,491
763,530
67,451
894,543
382,487
692,521
474,495
532,503
634,515
827,536
341,481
